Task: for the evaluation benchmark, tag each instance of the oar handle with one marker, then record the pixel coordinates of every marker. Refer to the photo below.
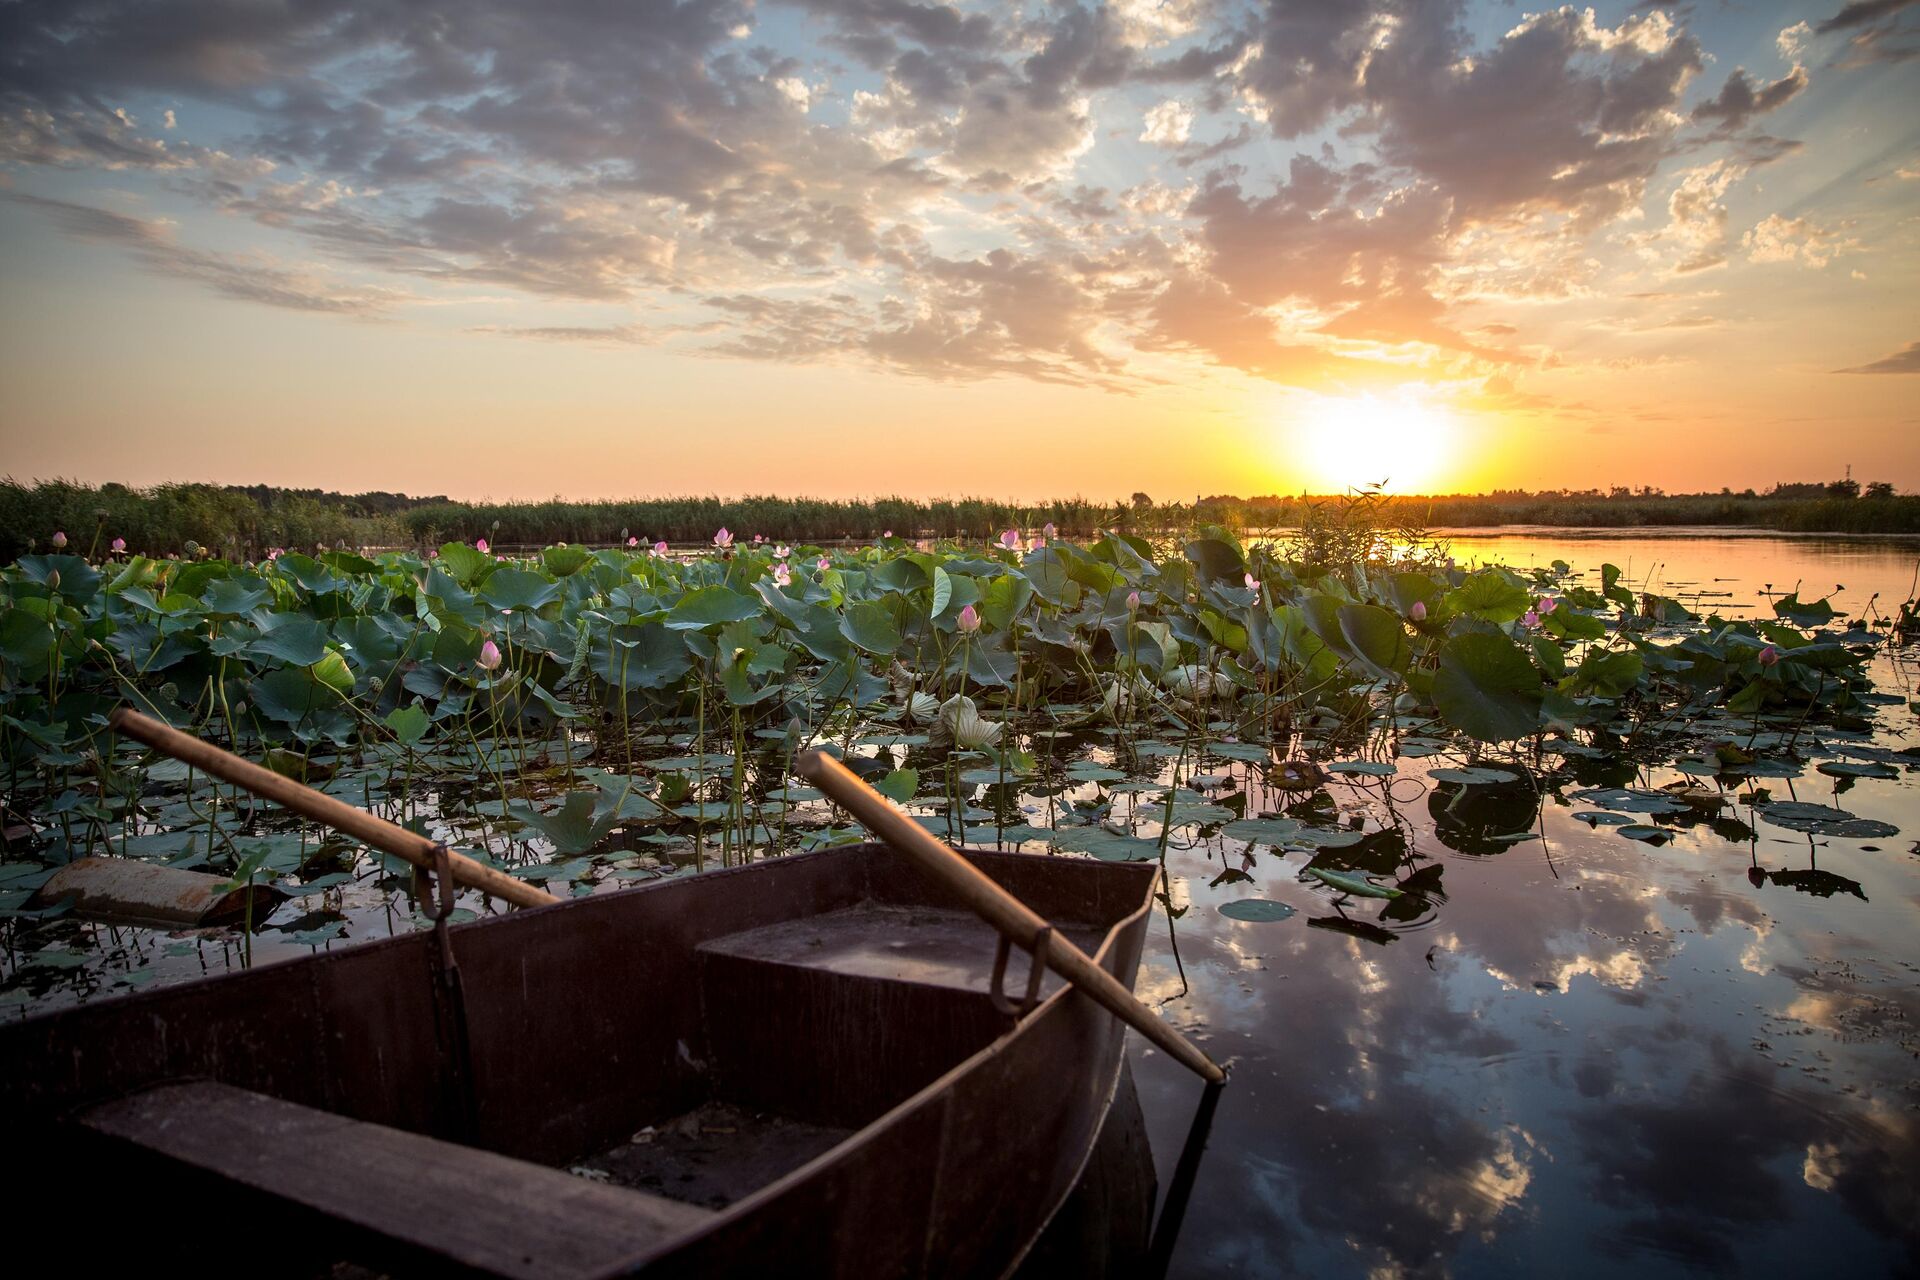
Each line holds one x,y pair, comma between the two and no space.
996,906
322,808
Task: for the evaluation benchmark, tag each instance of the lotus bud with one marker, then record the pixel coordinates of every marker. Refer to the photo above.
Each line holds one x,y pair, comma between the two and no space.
1050,531
660,548
482,546
59,540
1133,602
53,580
489,658
1768,656
1419,611
633,542
118,546
969,620
723,539
1756,877
240,707
494,527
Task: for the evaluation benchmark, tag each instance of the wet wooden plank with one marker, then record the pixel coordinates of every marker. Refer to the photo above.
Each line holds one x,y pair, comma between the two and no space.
452,1203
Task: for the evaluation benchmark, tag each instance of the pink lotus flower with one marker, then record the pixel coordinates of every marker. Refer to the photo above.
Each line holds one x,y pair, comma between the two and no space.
1529,619
1545,605
489,657
59,540
887,534
968,620
823,564
723,539
1050,531
660,548
118,546
276,553
633,542
1010,540
1419,611
782,551
783,575
482,546
1133,602
1768,656
757,539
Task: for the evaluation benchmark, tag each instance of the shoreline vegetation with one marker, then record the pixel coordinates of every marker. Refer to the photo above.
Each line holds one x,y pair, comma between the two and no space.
248,521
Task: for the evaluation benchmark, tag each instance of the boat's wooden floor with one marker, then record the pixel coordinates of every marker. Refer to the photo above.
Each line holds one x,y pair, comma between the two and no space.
952,949
712,1155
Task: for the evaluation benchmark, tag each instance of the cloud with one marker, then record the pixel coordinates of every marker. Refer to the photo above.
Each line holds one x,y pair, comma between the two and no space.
1905,360
232,276
1861,13
1793,40
946,191
1779,239
1169,124
1739,102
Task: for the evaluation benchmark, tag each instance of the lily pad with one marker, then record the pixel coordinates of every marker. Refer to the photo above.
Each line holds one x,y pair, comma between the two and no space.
1255,910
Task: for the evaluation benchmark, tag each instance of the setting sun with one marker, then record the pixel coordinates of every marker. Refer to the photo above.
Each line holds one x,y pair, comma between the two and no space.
1351,441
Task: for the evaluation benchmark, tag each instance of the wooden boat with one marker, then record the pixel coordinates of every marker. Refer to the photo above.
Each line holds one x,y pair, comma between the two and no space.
792,1068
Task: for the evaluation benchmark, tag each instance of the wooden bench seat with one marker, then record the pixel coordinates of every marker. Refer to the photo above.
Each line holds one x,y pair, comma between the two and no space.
437,1200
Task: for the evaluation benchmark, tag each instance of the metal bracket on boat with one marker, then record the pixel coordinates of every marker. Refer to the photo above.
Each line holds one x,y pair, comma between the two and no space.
1036,970
424,884
435,893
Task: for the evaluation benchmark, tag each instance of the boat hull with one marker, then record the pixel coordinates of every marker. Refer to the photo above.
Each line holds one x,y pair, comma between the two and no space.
580,1024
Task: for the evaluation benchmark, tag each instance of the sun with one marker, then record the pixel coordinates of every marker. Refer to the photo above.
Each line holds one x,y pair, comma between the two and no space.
1347,442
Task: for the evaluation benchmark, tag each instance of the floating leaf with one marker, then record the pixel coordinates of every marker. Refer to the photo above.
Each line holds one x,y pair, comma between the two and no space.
1255,910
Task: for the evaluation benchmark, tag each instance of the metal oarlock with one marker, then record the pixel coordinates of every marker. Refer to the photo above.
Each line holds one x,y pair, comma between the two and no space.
1036,970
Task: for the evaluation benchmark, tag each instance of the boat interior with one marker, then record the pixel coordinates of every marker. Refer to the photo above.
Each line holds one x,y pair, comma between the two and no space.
587,1086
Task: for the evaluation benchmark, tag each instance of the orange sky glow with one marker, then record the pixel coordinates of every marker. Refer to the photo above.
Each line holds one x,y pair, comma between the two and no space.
1022,251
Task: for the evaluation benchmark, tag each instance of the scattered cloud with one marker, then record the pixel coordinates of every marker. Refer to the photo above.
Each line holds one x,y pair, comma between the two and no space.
1905,360
918,185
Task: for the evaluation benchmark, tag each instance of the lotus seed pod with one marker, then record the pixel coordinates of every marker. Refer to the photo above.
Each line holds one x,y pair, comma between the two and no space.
375,685
169,690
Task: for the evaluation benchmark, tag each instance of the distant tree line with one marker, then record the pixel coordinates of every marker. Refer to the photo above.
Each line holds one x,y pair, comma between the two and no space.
248,521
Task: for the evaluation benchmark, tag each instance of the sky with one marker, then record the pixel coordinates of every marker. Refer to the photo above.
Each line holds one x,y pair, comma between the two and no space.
582,248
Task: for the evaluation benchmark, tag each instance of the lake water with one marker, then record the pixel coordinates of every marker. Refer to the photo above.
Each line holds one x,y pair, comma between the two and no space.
1592,1056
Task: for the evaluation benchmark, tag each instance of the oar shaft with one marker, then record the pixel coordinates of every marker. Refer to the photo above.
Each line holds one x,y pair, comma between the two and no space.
996,906
322,808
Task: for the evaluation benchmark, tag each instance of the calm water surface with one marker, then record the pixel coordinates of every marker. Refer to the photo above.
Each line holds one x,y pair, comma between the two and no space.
1590,1056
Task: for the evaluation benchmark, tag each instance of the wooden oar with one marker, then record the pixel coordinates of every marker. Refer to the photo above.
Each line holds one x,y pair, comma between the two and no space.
996,906
322,808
